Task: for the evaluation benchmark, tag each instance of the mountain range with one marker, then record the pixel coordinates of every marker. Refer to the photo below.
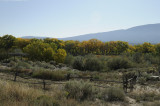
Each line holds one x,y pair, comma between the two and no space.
138,34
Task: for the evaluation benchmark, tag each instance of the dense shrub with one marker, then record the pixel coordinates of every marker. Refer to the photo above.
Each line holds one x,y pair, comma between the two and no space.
142,80
113,94
69,60
60,65
151,58
78,63
3,54
47,65
80,90
137,57
12,64
24,65
48,74
118,63
44,65
21,67
93,64
52,62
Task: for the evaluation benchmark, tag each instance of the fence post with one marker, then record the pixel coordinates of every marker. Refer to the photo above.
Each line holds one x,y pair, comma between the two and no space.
44,84
15,76
125,83
91,78
131,85
68,76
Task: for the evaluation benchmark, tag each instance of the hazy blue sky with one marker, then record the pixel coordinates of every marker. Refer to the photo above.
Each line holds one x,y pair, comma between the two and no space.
63,18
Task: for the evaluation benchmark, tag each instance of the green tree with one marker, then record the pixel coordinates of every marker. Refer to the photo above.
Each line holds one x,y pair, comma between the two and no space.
148,48
48,54
21,43
60,56
59,43
121,47
7,42
39,51
157,49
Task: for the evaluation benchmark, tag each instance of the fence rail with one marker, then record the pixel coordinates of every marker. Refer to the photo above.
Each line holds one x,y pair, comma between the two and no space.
44,82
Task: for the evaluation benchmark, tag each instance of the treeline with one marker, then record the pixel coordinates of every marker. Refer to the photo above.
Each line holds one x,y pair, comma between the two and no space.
37,49
97,47
54,49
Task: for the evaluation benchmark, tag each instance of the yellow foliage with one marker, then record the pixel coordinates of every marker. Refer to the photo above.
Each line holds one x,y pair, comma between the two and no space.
60,56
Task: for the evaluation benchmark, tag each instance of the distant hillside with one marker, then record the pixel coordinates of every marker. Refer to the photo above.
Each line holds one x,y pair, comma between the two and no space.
138,34
31,37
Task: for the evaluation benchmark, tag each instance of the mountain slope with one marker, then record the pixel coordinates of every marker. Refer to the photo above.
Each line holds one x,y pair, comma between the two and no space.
138,34
32,37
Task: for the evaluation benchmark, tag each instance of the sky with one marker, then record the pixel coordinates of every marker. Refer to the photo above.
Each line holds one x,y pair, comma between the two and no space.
66,18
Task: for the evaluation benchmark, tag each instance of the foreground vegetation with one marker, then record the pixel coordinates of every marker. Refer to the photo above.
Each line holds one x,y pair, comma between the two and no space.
73,92
53,60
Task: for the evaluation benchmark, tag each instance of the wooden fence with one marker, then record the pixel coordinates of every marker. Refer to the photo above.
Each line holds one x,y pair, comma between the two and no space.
127,82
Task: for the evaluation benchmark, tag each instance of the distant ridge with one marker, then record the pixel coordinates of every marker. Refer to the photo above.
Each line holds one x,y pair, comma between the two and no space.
31,37
138,34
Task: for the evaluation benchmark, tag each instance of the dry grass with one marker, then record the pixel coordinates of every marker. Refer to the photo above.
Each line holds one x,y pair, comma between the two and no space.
16,94
145,93
11,92
23,94
156,103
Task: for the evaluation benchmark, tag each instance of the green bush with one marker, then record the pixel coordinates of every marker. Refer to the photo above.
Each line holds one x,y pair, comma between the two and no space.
93,64
3,54
88,62
12,63
60,65
51,75
69,60
30,62
52,62
24,65
44,65
118,63
151,58
80,90
20,66
113,94
142,80
137,57
78,63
